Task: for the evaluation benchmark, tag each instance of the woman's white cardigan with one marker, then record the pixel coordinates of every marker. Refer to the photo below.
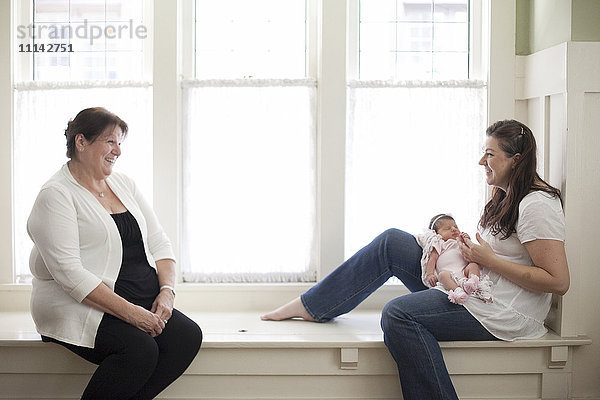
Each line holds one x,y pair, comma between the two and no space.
76,247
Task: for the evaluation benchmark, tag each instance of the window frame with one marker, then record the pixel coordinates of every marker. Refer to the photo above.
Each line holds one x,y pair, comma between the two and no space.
331,51
188,76
23,66
189,46
9,20
20,13
477,48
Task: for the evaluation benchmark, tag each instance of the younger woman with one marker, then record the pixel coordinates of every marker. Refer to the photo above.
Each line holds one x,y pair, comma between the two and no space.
519,245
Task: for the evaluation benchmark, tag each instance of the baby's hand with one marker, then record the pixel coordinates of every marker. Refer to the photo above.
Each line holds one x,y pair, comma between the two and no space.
431,279
462,236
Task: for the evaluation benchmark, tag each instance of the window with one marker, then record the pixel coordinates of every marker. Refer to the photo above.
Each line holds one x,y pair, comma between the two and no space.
259,196
249,146
414,39
104,38
102,64
250,39
416,119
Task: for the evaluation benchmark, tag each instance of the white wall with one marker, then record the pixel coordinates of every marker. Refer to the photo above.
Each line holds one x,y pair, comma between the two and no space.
583,214
6,105
558,96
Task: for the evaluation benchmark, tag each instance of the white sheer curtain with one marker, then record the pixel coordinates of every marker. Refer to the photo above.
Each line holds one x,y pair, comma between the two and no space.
42,111
249,181
412,152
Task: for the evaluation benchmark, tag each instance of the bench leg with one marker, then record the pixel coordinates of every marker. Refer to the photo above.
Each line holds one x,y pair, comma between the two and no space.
555,385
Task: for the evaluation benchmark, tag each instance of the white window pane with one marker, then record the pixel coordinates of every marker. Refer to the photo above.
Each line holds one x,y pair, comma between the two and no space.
411,30
415,36
124,10
450,66
377,37
39,138
88,36
91,10
51,33
281,39
51,10
88,66
123,36
250,179
452,11
205,28
451,37
124,66
278,11
414,66
263,38
377,10
90,26
439,130
51,67
415,10
207,64
268,63
377,65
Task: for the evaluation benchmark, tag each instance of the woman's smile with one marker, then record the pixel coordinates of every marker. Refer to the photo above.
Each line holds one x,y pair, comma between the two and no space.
498,166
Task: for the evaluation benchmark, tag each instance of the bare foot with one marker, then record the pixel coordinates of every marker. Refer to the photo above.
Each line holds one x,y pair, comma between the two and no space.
294,308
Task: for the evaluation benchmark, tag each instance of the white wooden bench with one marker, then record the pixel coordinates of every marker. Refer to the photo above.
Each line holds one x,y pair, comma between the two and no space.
244,357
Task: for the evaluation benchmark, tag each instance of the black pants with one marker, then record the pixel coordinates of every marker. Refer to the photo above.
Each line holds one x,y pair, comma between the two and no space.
134,365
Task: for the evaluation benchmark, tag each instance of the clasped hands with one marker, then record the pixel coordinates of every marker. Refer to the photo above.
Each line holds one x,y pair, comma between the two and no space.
155,320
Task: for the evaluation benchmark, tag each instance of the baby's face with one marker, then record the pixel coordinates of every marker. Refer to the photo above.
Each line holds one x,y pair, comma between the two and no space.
448,229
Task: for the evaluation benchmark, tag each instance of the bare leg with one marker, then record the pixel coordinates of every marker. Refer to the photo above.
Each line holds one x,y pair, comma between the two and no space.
445,278
290,310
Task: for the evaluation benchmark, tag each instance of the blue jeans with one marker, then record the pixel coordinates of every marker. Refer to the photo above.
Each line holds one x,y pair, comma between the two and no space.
412,324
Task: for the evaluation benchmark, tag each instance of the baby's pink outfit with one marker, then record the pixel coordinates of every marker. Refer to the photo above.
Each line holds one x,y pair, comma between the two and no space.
450,259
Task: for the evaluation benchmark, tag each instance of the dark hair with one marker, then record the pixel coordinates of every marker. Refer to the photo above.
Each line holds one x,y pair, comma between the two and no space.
501,213
91,123
434,222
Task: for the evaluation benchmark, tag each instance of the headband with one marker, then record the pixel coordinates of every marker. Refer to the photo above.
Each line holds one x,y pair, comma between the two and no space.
438,218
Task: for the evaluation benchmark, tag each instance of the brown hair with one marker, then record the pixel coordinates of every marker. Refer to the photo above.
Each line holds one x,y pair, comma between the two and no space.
434,222
91,123
501,213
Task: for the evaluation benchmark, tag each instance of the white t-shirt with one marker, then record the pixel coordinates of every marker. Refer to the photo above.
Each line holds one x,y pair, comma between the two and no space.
517,313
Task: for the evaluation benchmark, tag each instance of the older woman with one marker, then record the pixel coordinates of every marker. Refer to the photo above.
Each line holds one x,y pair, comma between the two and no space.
104,269
520,246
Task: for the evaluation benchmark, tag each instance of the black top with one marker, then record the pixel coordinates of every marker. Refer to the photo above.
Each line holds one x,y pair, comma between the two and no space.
137,281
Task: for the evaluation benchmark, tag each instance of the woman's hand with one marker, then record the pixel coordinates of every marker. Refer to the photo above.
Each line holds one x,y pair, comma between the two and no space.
146,321
548,274
481,253
163,305
105,300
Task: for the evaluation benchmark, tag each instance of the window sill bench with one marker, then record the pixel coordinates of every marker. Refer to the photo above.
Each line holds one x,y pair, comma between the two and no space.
244,357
